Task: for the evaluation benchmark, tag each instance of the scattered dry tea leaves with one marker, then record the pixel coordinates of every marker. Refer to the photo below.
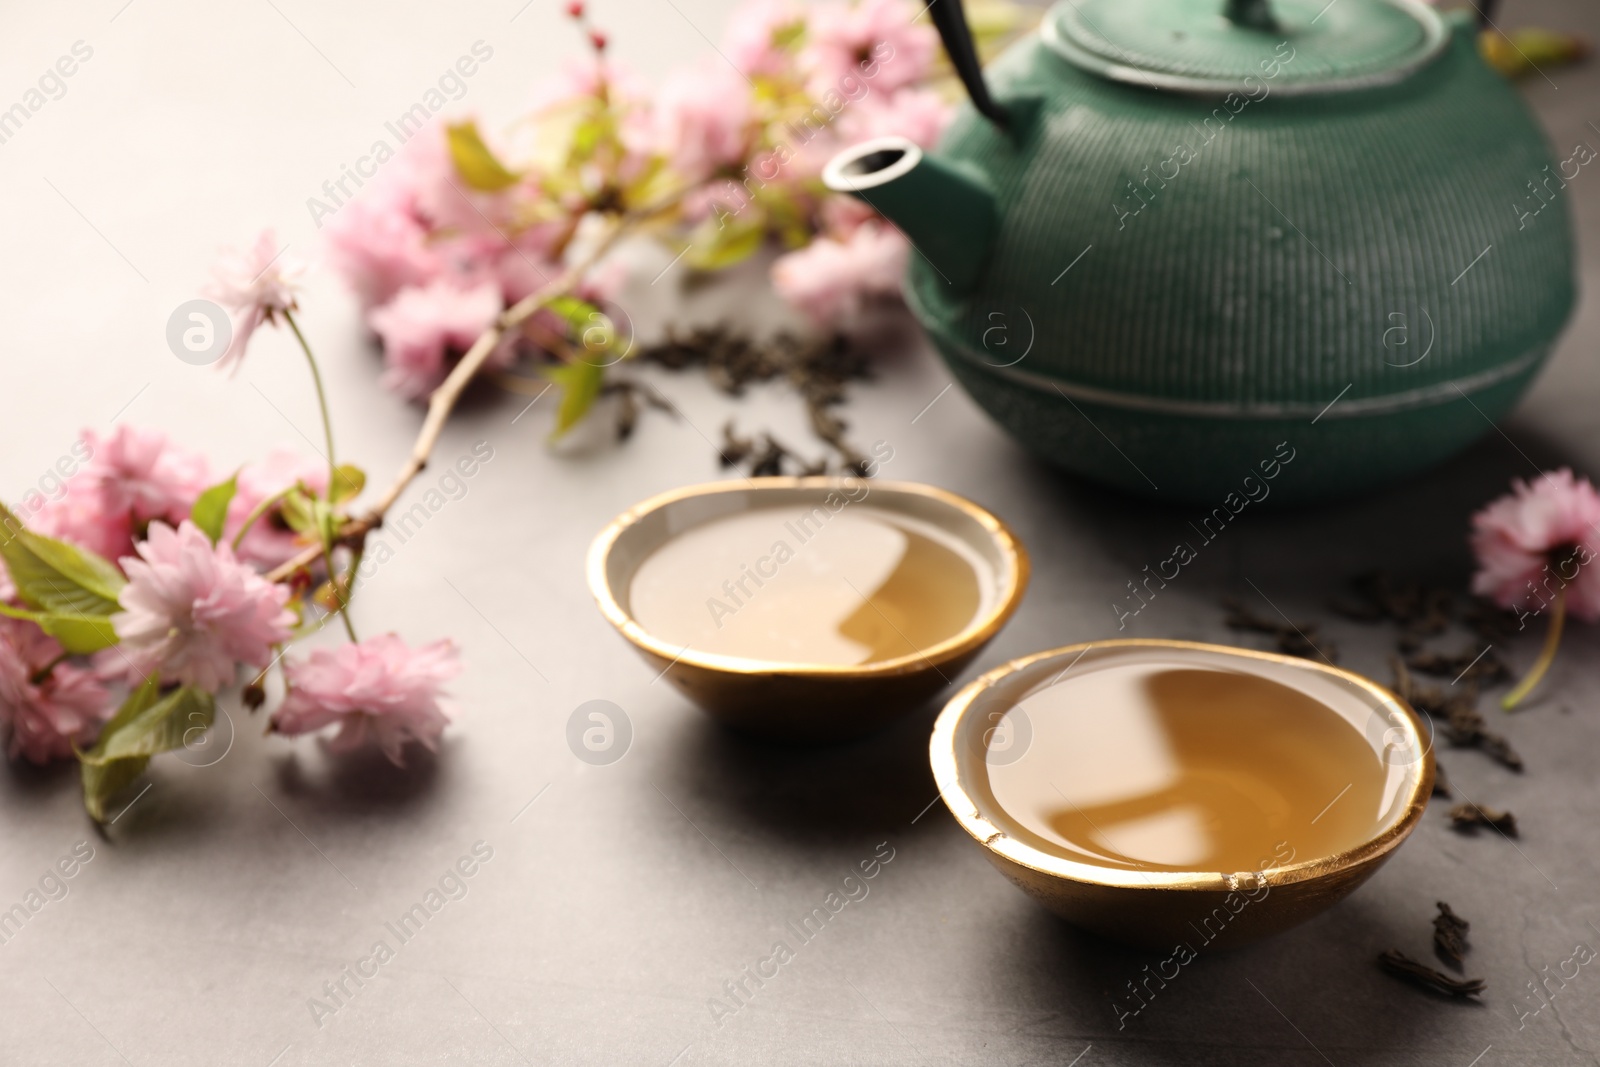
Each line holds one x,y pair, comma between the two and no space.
818,368
1456,709
1498,749
1421,611
1293,639
629,393
1491,622
1441,782
1480,666
1469,817
1450,936
1404,967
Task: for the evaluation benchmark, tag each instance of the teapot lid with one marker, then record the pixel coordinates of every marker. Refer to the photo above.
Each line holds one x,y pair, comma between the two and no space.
1212,46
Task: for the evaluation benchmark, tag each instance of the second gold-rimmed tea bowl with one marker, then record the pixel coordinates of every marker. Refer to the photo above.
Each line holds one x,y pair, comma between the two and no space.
1159,908
805,702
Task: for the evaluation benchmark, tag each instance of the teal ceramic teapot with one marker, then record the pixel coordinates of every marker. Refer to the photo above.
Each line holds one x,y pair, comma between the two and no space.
1174,241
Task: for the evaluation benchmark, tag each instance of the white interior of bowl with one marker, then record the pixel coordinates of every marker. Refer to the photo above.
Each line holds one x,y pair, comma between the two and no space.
1388,729
653,526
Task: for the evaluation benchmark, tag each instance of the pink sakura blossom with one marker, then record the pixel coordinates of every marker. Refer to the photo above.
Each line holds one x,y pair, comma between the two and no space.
140,474
379,690
256,285
269,542
422,223
831,279
420,327
840,215
881,41
193,612
1538,537
516,262
80,516
444,198
577,87
703,120
582,78
379,242
917,114
601,283
44,718
758,40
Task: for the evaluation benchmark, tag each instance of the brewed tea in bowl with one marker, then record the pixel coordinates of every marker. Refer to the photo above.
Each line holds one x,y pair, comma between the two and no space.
1166,792
808,609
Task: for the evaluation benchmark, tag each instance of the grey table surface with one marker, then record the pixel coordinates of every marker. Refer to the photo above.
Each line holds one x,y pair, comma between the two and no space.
619,899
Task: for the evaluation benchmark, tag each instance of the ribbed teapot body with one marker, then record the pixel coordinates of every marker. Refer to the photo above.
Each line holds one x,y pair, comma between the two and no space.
1203,269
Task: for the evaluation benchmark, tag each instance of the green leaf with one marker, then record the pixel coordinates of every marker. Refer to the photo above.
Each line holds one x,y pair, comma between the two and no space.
155,723
716,247
210,511
590,330
654,183
576,313
789,36
590,132
298,511
348,481
101,782
580,386
474,162
78,634
147,723
57,577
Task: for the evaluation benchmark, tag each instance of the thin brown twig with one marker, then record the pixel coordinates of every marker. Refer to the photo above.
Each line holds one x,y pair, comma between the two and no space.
443,399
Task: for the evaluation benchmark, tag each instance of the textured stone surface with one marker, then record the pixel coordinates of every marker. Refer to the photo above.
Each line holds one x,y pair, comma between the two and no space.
615,906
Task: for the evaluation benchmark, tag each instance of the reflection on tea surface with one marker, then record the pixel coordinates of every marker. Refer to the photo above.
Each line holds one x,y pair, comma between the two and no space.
1162,767
797,585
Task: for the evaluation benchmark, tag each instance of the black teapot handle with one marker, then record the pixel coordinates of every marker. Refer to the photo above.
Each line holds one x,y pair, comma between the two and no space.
951,22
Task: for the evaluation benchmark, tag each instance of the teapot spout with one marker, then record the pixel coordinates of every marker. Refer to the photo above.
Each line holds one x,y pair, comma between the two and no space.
946,210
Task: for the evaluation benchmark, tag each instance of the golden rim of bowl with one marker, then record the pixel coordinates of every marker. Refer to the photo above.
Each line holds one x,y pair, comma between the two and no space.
947,734
1011,581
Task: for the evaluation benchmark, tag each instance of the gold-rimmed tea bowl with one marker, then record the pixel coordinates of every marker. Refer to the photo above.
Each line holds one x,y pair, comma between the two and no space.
1163,908
805,702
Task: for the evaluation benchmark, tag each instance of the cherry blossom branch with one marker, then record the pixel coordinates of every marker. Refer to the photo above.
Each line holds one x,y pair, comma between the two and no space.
443,399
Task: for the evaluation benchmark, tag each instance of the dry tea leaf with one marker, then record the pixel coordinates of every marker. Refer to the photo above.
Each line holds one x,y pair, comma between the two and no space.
1441,783
1456,710
766,457
1402,966
1420,610
1478,666
1292,639
819,369
1498,748
1491,622
629,393
1470,816
734,448
1450,936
